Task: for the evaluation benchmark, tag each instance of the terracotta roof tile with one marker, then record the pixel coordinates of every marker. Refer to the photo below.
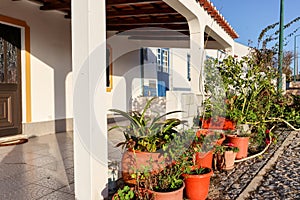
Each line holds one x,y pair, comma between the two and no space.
215,14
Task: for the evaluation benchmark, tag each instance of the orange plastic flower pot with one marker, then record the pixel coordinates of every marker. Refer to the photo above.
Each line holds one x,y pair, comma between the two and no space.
220,123
174,195
204,159
242,143
133,161
197,186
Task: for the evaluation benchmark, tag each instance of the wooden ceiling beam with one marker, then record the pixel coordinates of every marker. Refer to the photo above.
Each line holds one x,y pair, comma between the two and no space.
141,12
55,1
147,24
52,6
149,20
133,26
120,32
68,15
166,38
155,32
130,2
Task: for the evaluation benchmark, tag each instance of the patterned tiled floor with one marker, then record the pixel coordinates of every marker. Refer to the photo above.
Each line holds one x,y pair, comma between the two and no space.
42,169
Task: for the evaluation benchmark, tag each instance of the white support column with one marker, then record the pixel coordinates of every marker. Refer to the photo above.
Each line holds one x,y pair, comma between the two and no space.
190,101
197,55
90,128
191,11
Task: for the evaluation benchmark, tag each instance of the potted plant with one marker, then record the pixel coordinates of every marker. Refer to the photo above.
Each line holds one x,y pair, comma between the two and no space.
135,193
240,139
167,184
146,138
217,123
249,95
245,92
197,181
216,137
164,185
204,145
203,151
124,193
214,115
224,156
196,178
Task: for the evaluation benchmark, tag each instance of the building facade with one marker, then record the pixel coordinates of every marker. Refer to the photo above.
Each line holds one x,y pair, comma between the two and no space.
64,65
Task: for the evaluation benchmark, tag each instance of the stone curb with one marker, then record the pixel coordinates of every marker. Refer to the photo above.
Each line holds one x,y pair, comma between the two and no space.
259,177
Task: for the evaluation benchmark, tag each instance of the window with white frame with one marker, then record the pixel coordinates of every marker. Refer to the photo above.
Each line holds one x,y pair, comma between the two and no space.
163,60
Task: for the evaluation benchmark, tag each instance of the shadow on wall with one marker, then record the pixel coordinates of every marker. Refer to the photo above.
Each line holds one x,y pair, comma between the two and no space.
126,71
54,49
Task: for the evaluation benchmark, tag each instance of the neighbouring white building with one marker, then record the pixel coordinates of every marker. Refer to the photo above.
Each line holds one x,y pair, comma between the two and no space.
63,64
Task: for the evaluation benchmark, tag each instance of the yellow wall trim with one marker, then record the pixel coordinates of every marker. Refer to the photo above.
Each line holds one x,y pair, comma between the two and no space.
23,24
108,89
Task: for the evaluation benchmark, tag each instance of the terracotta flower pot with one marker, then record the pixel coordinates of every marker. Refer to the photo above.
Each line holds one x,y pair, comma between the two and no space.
133,161
204,159
197,186
219,123
202,132
221,140
241,142
229,157
206,132
174,195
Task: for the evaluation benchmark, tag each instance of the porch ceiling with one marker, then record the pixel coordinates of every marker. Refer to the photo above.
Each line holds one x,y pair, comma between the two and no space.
125,15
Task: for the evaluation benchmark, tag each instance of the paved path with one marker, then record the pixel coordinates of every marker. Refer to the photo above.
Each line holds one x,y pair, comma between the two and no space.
282,180
274,175
40,169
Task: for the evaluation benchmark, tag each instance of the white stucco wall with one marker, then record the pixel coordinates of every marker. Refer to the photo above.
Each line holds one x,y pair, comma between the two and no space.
50,40
127,83
241,50
178,70
178,63
216,54
126,72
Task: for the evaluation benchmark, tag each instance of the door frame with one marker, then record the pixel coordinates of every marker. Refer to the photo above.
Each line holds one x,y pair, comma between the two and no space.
25,71
11,93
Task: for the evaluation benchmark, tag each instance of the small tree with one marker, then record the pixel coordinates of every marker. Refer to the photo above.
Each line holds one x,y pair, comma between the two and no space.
266,51
287,61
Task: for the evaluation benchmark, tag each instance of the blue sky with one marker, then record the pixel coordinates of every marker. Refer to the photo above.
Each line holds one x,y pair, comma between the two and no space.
248,18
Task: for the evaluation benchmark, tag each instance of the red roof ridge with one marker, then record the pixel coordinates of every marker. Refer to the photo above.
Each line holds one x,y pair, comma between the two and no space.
217,16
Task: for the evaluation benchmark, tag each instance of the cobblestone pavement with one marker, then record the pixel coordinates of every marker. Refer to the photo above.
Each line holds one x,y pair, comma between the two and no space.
230,184
42,168
282,181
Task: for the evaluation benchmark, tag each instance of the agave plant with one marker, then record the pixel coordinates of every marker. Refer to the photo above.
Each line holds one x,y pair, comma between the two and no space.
147,134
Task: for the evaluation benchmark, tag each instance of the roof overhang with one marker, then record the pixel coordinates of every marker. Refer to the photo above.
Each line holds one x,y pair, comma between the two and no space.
124,15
